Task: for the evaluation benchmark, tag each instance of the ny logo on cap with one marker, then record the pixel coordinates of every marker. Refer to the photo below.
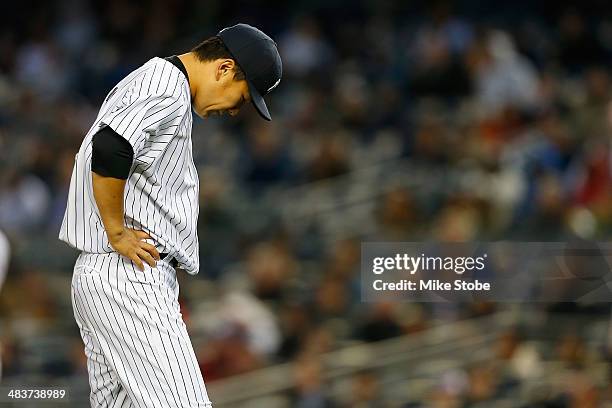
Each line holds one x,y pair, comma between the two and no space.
273,86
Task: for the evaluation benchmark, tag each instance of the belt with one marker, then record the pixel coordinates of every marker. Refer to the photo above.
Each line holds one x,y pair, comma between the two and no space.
170,259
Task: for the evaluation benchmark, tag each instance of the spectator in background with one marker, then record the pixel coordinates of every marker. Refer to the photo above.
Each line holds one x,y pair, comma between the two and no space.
398,216
319,340
483,383
309,390
259,324
579,46
439,46
431,137
267,160
546,218
227,353
571,350
343,260
580,391
24,200
380,323
331,158
458,221
303,49
295,323
40,67
366,391
270,267
503,78
10,356
331,299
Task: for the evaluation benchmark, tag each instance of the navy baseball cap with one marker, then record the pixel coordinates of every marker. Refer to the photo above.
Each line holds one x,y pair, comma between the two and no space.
257,55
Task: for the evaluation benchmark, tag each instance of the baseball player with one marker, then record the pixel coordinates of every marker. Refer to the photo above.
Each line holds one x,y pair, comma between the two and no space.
132,210
5,256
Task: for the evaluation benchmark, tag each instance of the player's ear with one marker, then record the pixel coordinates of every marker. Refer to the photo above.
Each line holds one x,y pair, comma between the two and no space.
225,68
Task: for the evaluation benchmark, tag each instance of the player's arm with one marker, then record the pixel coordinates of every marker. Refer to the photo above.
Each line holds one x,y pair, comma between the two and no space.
112,158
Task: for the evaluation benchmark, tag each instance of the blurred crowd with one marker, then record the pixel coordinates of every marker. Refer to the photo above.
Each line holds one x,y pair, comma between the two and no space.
516,370
512,101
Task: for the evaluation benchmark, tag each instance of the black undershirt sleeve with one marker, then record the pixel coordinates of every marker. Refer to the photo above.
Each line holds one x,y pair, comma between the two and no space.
112,155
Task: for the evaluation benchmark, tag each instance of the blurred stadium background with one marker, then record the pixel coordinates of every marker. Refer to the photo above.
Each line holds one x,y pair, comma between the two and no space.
411,121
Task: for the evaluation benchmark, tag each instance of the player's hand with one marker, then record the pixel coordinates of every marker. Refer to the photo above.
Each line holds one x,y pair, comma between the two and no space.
130,243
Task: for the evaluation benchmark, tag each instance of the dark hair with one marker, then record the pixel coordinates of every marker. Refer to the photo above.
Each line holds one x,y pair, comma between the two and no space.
212,49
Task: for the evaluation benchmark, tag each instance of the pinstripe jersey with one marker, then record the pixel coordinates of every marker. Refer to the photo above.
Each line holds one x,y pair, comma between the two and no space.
151,109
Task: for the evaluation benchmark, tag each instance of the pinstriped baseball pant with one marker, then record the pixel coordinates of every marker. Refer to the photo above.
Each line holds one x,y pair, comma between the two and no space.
137,347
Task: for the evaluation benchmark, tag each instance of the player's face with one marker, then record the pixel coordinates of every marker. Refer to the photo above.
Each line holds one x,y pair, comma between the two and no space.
227,95
231,100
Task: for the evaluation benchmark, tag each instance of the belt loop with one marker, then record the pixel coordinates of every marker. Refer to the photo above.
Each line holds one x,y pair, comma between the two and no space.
165,256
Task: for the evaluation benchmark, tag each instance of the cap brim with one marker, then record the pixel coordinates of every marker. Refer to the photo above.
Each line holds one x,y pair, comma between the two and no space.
258,102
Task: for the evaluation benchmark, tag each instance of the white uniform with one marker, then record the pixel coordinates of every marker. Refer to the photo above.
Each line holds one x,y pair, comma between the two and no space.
5,257
138,350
